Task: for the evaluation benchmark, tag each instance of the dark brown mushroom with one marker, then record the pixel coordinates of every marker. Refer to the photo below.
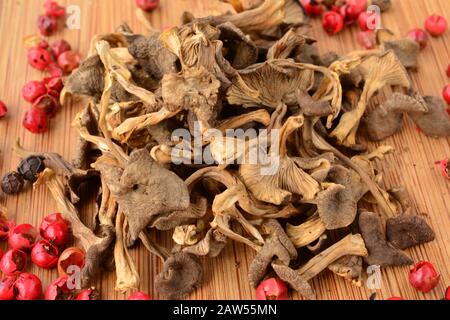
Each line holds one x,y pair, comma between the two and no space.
435,122
349,268
387,119
406,50
381,253
407,230
144,190
182,273
239,48
277,245
152,56
295,280
88,79
337,207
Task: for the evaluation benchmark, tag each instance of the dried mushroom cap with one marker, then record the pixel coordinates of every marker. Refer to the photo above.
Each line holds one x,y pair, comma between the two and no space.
435,122
407,230
387,119
400,194
211,245
240,49
181,274
152,56
295,280
276,181
406,50
270,13
337,207
378,71
284,48
380,251
270,83
349,268
195,90
277,245
144,190
88,79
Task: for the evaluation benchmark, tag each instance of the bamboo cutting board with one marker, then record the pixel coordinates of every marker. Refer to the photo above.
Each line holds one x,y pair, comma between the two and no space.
412,165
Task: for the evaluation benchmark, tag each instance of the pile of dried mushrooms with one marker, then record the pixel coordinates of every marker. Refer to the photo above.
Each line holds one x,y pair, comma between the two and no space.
254,68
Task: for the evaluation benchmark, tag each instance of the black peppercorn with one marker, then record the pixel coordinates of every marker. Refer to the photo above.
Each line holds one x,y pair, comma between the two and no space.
30,167
12,183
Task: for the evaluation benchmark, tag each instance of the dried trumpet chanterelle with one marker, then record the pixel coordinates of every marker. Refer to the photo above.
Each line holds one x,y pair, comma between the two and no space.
226,128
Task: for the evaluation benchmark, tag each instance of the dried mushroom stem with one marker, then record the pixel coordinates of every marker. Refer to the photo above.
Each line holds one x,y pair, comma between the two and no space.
260,116
350,245
373,187
126,272
307,232
94,246
154,248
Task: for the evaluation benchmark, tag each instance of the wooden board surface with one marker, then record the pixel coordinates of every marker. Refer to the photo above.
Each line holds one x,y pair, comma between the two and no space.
226,276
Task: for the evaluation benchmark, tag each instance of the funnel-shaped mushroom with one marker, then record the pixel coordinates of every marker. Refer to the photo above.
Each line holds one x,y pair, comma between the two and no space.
436,121
337,207
378,71
381,253
274,82
387,119
276,181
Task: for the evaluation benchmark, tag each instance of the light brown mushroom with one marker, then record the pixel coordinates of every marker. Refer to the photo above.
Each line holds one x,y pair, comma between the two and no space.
307,232
378,70
406,50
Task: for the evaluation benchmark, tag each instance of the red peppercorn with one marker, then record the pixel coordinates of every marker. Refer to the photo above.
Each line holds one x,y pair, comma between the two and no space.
420,36
423,276
13,262
52,8
3,109
395,298
71,257
47,25
1,254
332,22
28,287
88,294
54,69
49,103
139,296
35,121
59,290
446,93
353,9
7,288
272,289
39,58
69,61
33,90
147,5
22,237
367,20
60,46
43,44
436,25
54,84
445,168
45,254
447,294
313,7
366,39
5,227
56,229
